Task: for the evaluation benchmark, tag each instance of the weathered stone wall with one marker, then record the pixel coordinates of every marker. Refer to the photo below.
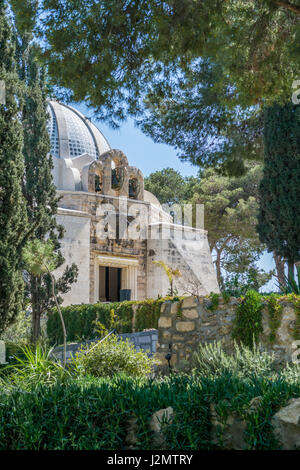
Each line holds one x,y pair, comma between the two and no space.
75,247
183,325
183,248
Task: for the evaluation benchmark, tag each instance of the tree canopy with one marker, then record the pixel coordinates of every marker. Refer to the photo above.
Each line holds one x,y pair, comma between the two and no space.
202,118
169,186
230,216
122,48
194,73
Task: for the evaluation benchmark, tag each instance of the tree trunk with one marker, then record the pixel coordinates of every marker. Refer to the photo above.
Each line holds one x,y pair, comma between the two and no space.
61,318
36,310
218,267
291,270
279,263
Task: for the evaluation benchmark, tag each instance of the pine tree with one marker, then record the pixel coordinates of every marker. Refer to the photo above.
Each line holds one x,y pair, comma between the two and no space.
279,217
13,223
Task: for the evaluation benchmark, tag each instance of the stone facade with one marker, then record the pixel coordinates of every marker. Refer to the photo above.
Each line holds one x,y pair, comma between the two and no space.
184,325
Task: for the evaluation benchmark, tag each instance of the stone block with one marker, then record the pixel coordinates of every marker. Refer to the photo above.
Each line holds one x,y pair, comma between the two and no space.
166,335
225,330
177,346
185,326
189,302
230,434
286,425
164,322
174,308
178,338
191,314
158,420
163,307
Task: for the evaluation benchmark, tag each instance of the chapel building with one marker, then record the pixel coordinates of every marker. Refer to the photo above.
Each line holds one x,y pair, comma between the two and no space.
114,228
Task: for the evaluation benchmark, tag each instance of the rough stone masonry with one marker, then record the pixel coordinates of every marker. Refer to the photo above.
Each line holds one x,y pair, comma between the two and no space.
183,325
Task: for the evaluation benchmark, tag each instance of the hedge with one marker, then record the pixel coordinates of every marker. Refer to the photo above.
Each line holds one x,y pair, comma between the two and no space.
80,319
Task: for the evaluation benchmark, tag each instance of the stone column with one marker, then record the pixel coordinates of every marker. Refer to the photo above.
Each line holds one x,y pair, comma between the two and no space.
129,280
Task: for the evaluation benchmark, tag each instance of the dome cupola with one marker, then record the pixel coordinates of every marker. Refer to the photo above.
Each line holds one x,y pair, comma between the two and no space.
72,134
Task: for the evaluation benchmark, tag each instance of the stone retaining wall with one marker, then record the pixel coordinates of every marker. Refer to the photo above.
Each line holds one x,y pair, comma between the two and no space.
183,325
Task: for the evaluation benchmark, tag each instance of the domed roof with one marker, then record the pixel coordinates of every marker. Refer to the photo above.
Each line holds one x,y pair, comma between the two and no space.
72,134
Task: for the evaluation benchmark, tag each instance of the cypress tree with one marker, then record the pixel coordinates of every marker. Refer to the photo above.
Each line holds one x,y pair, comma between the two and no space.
39,189
279,216
13,223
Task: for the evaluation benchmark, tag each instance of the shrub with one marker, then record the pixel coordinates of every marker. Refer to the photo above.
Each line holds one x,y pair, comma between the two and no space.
214,301
148,313
112,356
79,320
275,313
247,324
211,360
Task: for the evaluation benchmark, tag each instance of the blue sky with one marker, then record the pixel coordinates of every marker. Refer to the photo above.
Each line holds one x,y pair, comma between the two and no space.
140,150
149,156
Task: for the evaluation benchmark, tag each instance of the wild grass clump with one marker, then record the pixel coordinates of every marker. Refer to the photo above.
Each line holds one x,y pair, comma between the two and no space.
33,366
232,381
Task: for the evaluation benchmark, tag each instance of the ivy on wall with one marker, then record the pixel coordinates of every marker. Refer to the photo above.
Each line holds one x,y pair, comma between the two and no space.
275,310
214,301
295,299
